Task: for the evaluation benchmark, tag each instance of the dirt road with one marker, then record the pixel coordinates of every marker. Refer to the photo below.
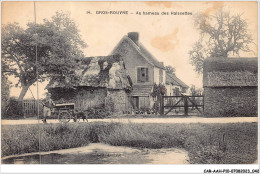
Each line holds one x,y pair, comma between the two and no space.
147,120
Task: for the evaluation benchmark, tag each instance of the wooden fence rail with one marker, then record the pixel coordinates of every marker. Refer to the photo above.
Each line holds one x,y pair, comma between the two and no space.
173,102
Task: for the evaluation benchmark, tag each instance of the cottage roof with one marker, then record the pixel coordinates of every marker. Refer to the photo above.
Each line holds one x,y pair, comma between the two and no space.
231,64
174,80
230,72
142,90
142,51
100,71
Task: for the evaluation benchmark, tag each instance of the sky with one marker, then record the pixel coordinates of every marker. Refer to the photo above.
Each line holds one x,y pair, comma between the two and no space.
168,37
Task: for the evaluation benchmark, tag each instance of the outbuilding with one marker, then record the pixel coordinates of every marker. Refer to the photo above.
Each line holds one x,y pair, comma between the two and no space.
99,81
230,87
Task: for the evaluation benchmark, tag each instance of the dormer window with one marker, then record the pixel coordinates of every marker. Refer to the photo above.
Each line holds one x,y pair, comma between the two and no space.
142,74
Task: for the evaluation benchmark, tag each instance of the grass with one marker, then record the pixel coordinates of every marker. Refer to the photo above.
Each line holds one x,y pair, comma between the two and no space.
234,143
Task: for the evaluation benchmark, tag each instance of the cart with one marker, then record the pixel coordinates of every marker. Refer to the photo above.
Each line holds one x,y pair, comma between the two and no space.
65,112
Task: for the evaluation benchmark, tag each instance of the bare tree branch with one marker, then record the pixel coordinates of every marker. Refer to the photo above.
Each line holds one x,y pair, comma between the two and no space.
221,35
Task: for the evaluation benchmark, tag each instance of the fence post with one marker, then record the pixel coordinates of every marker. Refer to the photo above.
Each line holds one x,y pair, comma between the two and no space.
162,105
186,107
203,102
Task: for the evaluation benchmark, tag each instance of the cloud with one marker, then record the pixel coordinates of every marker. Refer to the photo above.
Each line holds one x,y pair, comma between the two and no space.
166,4
215,6
166,43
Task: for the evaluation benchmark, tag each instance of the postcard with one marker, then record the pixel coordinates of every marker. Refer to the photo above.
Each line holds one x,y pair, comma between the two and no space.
147,82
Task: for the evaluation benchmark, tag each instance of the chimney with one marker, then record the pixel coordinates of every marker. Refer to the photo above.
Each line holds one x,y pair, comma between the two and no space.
162,63
134,36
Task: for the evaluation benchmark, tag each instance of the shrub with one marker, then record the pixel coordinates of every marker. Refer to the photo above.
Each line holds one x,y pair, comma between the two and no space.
145,110
14,109
98,112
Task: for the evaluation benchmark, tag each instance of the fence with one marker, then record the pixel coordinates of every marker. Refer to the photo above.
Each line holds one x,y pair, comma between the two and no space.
30,108
168,103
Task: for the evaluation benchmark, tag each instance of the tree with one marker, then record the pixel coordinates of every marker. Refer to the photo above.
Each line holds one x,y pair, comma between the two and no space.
194,91
5,93
170,69
58,44
220,35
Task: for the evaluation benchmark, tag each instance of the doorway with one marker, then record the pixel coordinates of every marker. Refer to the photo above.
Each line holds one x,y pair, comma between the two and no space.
135,100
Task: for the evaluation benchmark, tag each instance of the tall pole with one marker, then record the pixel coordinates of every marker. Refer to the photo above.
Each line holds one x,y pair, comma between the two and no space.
37,76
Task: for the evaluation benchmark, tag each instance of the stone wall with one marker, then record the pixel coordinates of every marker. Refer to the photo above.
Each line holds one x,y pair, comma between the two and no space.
230,101
230,87
90,97
120,100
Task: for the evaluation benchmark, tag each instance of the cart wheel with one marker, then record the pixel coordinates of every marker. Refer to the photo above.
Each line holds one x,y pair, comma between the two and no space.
64,117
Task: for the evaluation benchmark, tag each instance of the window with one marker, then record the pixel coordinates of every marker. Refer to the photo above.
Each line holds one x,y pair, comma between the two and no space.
142,74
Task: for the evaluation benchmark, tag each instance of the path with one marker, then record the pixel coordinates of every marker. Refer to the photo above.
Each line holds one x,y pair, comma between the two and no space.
148,120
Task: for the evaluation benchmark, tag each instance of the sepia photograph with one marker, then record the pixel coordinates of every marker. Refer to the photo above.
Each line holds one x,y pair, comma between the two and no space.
141,82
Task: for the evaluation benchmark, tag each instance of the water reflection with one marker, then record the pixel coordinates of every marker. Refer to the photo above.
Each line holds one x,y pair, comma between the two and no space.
98,153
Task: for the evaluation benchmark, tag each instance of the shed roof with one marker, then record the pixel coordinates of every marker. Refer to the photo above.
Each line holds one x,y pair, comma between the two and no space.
174,80
142,90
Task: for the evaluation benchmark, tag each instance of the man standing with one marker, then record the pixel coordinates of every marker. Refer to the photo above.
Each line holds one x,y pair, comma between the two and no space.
47,110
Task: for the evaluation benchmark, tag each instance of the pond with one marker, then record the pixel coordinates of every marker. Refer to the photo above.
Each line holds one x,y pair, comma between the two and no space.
98,153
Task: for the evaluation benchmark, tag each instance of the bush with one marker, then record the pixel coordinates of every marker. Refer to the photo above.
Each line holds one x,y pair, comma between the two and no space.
145,110
14,109
102,111
97,112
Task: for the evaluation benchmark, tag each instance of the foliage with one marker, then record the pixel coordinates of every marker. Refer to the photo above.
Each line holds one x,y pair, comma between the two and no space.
145,109
62,95
13,110
220,35
102,111
204,142
5,93
195,91
158,90
53,137
58,44
98,112
170,69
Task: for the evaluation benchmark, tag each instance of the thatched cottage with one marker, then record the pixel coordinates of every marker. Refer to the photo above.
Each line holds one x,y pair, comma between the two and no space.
230,87
99,80
145,71
126,78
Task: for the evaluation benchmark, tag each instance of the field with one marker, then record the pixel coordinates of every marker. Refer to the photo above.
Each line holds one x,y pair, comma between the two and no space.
230,143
